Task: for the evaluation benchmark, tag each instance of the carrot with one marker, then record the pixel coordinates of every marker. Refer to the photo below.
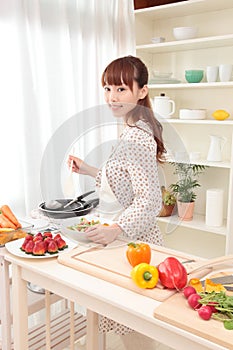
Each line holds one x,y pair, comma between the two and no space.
7,212
4,222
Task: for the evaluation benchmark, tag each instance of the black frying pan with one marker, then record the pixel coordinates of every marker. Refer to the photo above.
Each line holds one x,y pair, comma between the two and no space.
79,208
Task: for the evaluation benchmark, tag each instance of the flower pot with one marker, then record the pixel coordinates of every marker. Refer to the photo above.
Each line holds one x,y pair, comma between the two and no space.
167,210
185,210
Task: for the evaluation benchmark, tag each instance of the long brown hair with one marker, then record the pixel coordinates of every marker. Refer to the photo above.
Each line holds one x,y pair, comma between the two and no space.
127,70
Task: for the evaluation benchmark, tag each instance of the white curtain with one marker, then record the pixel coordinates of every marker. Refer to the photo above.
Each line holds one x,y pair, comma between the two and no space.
52,55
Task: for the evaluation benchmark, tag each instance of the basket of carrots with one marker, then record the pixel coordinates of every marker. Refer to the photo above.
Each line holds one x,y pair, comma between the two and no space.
10,227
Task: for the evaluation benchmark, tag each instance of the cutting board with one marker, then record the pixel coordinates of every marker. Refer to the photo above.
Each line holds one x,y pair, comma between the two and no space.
111,265
177,312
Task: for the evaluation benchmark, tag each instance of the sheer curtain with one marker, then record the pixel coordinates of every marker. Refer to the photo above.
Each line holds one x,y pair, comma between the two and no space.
52,55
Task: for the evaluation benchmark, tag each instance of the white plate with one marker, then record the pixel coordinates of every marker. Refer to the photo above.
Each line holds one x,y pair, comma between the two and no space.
14,248
80,236
38,224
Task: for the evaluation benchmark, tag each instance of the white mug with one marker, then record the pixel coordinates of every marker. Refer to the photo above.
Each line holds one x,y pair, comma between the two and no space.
225,72
164,106
211,73
194,156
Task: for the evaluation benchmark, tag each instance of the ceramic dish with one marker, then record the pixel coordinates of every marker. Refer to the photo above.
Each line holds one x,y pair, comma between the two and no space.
184,33
69,230
187,113
14,248
164,81
157,40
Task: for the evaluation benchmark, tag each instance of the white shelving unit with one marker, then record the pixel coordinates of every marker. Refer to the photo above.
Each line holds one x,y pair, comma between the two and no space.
213,46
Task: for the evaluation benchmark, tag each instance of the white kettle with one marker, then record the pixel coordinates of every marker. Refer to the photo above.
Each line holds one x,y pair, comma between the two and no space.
216,146
164,106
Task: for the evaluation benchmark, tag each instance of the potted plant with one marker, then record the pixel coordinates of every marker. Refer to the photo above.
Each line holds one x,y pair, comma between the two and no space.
168,202
184,188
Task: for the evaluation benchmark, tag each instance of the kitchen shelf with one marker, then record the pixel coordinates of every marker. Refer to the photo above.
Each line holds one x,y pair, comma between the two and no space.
223,164
197,121
184,8
191,44
212,47
192,85
198,222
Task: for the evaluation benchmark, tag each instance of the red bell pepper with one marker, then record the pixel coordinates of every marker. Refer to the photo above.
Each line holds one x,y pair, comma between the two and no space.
172,274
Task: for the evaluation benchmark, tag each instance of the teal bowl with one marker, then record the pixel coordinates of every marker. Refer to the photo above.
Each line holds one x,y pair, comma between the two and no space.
194,76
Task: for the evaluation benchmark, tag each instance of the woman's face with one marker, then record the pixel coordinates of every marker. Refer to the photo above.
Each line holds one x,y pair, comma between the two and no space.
121,99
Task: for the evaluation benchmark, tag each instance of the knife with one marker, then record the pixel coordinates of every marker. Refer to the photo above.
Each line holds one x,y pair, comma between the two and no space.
223,280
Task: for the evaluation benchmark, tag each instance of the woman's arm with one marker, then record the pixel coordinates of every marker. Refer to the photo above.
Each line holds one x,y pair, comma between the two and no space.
80,167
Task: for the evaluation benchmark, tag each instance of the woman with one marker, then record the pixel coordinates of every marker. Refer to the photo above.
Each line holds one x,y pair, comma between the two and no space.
128,184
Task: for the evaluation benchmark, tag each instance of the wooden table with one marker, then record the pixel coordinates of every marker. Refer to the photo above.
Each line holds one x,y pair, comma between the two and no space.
35,303
99,297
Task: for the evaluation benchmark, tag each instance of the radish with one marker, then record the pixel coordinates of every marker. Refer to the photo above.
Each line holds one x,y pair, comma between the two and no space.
187,291
205,312
212,305
193,301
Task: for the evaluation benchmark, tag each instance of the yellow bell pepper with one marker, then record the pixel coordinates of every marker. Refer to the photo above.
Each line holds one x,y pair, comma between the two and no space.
145,275
210,286
196,284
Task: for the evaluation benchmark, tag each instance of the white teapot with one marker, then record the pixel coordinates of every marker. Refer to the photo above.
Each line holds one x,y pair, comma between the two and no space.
164,106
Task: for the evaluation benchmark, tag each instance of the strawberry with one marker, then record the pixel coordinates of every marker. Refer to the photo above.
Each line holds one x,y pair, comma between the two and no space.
47,234
39,248
29,247
52,247
38,237
58,235
61,243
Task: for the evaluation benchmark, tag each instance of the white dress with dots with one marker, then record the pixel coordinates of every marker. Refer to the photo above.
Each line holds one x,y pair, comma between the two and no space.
132,175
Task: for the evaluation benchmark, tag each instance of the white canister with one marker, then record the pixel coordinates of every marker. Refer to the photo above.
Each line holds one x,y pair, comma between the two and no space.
164,106
211,74
225,72
214,207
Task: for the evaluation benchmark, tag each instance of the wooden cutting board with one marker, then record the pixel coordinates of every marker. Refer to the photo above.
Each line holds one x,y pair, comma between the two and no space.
177,312
111,264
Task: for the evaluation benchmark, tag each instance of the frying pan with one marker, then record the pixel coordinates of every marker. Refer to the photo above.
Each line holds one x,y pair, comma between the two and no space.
73,204
79,208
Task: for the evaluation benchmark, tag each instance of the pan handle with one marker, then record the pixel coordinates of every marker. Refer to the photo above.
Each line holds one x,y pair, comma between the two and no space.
84,195
92,202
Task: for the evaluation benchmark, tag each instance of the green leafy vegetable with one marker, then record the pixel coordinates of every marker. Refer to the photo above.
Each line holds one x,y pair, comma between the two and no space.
223,304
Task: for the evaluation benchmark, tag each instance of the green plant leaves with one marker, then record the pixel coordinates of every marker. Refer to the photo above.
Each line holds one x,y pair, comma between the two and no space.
184,188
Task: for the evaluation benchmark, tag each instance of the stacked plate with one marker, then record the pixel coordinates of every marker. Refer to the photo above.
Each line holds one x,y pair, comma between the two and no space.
163,78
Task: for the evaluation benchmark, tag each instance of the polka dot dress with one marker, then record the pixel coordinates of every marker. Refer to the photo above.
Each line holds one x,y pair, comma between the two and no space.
132,173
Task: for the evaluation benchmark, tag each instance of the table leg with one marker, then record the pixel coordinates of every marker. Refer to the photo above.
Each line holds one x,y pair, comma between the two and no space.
5,311
20,307
92,331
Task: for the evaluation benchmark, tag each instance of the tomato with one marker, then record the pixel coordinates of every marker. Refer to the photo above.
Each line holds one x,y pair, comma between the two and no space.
172,273
138,253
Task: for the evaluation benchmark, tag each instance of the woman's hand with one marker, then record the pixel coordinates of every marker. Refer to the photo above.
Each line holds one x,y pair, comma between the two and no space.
103,234
80,167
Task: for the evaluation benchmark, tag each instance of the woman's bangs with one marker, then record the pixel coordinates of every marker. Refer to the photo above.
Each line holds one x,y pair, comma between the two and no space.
118,73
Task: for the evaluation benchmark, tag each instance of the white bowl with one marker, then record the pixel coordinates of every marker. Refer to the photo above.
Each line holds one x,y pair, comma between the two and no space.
187,113
79,236
183,33
157,40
